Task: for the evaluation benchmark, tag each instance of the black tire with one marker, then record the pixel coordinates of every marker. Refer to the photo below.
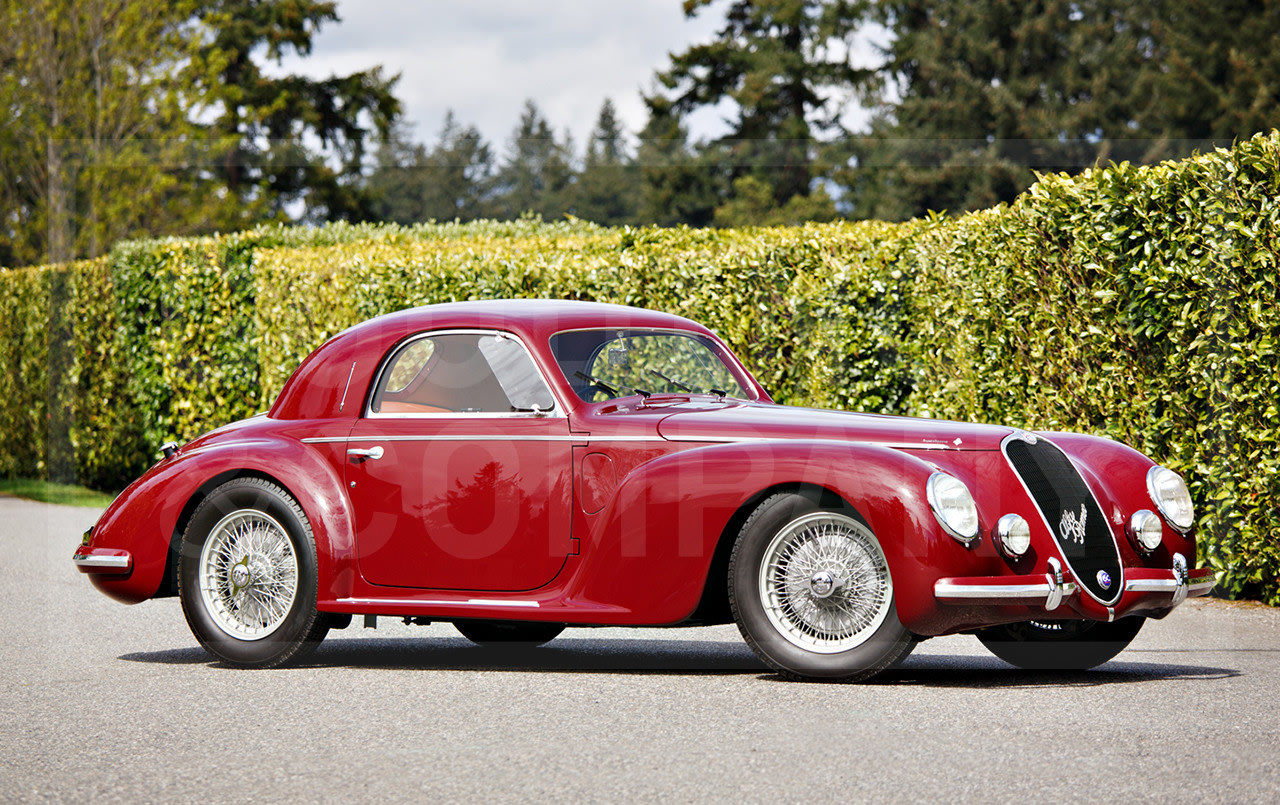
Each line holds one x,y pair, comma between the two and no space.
508,633
251,544
862,634
1060,645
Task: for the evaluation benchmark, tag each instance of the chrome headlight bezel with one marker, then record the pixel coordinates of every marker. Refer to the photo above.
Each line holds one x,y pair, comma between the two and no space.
1140,530
1176,507
953,507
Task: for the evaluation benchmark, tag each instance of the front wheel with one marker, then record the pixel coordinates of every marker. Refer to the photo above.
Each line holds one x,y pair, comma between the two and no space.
812,594
1060,645
247,576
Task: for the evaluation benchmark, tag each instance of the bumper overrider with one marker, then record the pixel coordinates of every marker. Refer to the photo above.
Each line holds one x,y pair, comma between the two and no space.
111,561
102,560
1052,588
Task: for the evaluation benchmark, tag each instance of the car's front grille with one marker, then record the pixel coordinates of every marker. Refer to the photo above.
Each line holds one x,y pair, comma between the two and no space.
1071,513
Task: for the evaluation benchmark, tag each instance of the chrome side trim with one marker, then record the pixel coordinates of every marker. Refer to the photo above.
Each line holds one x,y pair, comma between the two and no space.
470,602
114,561
593,438
343,402
449,437
740,439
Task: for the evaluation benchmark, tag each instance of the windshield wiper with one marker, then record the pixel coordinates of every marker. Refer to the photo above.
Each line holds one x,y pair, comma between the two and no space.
595,381
610,389
671,380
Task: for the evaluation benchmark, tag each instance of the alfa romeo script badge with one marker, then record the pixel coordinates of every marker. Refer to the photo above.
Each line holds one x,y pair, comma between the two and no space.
1104,578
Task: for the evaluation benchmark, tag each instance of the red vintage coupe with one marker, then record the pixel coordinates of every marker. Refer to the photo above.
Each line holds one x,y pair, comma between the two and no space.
516,467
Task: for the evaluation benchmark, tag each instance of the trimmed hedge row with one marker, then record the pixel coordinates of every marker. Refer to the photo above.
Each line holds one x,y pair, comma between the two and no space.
1135,302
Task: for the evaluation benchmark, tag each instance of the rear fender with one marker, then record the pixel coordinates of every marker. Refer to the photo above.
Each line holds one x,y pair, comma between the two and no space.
147,518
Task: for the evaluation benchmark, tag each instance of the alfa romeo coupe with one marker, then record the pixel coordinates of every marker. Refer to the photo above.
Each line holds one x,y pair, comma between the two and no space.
516,467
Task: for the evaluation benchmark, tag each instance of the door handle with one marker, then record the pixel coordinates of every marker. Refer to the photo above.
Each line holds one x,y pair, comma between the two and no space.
360,455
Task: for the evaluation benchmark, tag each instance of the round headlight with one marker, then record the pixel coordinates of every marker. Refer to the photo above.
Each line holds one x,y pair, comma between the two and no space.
953,506
1145,531
1013,535
1169,492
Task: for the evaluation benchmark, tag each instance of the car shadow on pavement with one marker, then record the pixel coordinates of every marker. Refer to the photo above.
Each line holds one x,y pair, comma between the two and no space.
967,671
561,656
686,657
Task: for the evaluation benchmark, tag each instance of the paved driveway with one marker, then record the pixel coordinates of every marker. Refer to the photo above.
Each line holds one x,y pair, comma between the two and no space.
103,702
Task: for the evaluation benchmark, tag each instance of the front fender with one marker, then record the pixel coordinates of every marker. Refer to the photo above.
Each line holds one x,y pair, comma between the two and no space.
1117,474
145,519
650,549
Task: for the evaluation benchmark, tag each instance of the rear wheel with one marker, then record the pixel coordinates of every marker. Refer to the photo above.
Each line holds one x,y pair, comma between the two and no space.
1060,645
812,594
508,633
247,576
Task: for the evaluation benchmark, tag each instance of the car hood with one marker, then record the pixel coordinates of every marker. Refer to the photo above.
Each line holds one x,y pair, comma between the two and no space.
749,421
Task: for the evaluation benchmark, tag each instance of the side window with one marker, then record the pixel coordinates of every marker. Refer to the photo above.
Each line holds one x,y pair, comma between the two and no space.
409,363
471,373
519,378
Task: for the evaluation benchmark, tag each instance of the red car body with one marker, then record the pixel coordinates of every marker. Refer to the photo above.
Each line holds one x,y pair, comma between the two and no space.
625,511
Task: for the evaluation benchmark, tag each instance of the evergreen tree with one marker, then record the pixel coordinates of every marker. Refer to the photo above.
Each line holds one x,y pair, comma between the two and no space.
781,63
679,184
452,181
536,175
271,119
1218,75
976,95
608,189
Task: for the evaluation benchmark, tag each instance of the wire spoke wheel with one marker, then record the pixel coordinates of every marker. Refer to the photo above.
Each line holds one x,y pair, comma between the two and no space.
824,583
248,574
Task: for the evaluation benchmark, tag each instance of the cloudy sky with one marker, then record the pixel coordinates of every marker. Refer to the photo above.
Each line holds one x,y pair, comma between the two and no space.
483,58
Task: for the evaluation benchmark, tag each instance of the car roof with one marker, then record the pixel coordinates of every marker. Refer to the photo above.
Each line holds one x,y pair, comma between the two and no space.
534,318
319,387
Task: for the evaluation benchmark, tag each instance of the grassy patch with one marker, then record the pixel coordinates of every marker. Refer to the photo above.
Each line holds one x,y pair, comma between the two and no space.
46,492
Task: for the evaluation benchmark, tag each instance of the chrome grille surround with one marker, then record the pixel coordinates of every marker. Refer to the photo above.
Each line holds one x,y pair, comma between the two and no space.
1070,510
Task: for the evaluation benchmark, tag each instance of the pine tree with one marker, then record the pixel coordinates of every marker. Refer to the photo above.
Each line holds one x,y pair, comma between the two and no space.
537,171
271,119
781,64
608,189
452,181
978,95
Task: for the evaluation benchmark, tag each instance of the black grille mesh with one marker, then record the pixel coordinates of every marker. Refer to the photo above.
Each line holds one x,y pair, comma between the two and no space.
1073,515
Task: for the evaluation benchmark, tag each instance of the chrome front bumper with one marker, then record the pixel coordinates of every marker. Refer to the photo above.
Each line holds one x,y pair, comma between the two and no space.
1049,589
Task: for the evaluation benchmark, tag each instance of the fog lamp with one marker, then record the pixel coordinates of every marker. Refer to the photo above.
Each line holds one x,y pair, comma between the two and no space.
1013,535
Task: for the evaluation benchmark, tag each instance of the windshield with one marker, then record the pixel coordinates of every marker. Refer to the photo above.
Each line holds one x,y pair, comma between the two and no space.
604,364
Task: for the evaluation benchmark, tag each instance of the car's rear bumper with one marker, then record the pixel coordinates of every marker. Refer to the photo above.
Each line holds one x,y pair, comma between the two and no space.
1144,588
102,560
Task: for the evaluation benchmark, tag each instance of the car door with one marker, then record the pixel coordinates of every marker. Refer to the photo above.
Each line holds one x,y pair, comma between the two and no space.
460,470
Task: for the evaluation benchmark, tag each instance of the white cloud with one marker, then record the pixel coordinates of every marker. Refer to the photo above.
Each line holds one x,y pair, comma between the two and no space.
484,58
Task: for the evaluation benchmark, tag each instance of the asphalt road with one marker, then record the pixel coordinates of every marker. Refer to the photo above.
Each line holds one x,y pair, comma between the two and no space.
102,702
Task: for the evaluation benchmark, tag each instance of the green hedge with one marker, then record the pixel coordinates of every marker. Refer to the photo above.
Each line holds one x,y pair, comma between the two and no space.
1134,302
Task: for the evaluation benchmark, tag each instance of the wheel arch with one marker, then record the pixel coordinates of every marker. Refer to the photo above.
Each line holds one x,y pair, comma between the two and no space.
713,607
169,585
